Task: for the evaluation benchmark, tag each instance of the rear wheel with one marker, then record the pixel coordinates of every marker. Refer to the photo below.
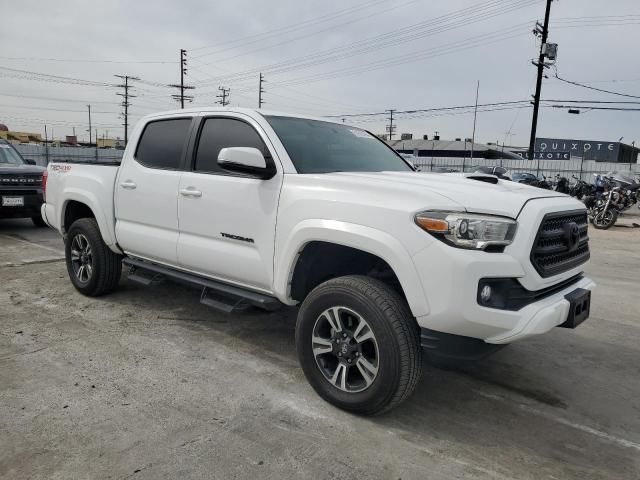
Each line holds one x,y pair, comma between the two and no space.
359,344
94,269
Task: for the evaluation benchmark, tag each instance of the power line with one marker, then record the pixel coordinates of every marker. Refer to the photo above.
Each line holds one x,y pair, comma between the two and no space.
594,88
302,25
454,19
307,34
422,110
69,60
54,78
617,109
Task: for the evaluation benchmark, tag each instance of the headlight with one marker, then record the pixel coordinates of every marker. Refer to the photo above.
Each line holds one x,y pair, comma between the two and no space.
468,230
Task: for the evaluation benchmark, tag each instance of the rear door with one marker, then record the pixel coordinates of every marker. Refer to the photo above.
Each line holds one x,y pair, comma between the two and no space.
146,191
227,220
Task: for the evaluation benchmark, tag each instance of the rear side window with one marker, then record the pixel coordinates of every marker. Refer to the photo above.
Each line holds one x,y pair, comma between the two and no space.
162,142
219,133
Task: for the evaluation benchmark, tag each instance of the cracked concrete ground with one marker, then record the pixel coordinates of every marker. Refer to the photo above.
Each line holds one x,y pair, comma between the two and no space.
146,383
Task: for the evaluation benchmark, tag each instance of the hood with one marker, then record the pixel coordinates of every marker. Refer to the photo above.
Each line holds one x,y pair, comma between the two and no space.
20,169
504,198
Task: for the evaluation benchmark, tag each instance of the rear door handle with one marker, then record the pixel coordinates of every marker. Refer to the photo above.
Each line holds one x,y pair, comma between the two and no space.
190,192
128,184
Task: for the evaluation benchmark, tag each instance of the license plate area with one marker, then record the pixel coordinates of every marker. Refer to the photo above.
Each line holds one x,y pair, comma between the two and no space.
579,307
13,201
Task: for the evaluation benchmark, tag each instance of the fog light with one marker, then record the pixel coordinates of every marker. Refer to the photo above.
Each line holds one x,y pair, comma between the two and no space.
485,294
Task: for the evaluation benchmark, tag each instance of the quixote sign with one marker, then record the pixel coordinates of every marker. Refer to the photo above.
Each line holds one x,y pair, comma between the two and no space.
591,150
546,155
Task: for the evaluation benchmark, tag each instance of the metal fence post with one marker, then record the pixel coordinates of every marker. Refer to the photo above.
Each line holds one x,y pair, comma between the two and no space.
581,166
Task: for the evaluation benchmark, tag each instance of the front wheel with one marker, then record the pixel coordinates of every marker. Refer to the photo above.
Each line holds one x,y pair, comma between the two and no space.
605,220
94,269
358,344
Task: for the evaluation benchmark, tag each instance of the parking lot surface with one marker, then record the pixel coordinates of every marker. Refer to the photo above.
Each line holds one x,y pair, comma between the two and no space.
146,383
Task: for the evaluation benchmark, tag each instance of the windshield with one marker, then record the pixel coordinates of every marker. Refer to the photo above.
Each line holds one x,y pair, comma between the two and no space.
322,147
9,156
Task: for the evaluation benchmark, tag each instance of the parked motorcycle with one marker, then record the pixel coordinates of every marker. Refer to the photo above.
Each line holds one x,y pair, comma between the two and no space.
580,188
561,184
614,193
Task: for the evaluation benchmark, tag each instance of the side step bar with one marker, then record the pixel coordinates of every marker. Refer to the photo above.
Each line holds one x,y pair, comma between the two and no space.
221,296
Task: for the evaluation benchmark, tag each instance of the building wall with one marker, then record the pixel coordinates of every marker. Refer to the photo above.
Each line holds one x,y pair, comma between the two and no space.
600,151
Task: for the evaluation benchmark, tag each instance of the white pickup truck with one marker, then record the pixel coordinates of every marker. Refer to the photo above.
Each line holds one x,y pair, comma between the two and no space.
271,210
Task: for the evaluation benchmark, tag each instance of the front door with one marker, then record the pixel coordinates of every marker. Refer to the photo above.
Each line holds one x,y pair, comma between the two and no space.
227,221
146,192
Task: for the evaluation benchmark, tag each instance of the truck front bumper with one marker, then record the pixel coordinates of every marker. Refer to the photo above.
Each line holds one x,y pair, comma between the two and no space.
451,279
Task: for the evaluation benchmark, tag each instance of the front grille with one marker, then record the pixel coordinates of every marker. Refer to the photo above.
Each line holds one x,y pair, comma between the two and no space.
17,180
557,248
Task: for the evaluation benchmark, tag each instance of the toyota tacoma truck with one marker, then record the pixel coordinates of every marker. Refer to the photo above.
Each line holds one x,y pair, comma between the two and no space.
20,186
385,264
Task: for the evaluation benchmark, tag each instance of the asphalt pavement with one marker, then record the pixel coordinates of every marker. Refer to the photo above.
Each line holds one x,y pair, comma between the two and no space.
146,383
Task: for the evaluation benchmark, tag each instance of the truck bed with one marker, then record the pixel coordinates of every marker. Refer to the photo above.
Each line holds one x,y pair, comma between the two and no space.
85,182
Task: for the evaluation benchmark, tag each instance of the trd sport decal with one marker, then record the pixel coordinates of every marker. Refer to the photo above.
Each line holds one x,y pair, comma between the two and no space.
237,237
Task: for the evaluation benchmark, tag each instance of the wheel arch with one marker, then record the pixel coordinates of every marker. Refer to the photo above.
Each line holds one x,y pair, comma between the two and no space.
80,204
333,241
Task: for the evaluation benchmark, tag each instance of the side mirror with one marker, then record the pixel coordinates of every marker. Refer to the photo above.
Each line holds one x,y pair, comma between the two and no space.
245,160
30,161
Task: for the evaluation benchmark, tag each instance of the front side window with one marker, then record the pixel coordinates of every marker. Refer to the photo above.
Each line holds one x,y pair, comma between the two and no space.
219,133
162,142
315,146
9,156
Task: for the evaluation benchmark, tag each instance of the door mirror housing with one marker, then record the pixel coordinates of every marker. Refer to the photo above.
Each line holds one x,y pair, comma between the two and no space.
245,160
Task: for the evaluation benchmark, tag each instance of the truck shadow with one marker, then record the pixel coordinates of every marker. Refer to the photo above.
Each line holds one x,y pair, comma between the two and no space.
552,399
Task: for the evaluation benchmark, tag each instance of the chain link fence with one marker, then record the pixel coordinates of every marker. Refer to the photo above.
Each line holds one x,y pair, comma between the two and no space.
43,154
575,167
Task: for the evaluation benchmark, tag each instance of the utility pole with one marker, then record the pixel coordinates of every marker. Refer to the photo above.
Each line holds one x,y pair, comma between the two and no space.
89,107
46,144
181,97
224,96
125,103
543,31
391,127
260,90
475,115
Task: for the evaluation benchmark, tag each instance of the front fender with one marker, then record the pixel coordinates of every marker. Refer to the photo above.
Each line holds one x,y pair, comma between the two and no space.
352,235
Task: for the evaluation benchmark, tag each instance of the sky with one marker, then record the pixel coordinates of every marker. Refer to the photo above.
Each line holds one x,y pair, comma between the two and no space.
325,58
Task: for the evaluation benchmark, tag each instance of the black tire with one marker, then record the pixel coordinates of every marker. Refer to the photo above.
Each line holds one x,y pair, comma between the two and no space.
396,334
610,219
38,221
106,266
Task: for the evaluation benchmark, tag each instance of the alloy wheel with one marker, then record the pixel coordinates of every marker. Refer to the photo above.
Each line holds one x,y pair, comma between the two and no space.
345,349
81,258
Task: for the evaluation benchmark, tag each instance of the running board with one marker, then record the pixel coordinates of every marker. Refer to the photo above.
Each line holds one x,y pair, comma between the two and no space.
221,296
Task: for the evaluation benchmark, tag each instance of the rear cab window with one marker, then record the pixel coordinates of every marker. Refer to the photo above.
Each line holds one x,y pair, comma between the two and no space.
162,143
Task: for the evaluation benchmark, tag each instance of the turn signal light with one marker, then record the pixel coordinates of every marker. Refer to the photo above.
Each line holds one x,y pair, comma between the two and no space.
434,225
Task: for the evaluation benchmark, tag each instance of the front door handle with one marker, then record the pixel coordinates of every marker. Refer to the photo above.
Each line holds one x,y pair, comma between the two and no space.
190,192
128,184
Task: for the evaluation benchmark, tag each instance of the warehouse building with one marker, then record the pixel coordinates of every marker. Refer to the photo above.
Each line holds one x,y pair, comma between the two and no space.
600,151
457,148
